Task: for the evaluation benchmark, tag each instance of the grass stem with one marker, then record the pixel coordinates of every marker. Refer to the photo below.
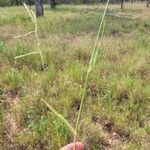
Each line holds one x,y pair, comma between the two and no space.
91,63
34,20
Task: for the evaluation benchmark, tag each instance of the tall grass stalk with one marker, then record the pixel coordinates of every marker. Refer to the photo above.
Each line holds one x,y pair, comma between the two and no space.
91,65
60,117
34,20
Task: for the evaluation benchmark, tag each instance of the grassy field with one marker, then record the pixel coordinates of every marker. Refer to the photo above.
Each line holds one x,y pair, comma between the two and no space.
116,108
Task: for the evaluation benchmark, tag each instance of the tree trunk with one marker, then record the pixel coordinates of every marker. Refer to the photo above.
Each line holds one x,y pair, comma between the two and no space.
30,3
18,2
122,4
148,1
39,8
53,4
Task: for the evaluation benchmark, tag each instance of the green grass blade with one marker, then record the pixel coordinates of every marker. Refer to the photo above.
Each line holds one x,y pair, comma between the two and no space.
60,117
32,53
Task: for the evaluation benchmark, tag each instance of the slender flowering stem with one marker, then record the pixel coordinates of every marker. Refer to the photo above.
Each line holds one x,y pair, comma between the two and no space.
34,20
91,63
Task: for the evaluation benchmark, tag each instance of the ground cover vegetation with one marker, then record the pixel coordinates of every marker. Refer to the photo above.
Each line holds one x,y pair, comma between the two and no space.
116,108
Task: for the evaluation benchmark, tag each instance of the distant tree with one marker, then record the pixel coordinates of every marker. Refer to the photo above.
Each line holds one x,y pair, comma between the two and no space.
39,8
122,1
148,1
52,4
17,2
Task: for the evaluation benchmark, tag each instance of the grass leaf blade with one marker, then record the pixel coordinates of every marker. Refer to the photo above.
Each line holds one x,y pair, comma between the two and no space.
60,117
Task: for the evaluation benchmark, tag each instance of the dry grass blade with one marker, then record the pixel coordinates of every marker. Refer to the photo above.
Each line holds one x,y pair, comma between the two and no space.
60,117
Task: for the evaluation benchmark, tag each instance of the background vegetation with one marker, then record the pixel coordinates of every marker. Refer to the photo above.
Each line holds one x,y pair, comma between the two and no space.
19,2
116,109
